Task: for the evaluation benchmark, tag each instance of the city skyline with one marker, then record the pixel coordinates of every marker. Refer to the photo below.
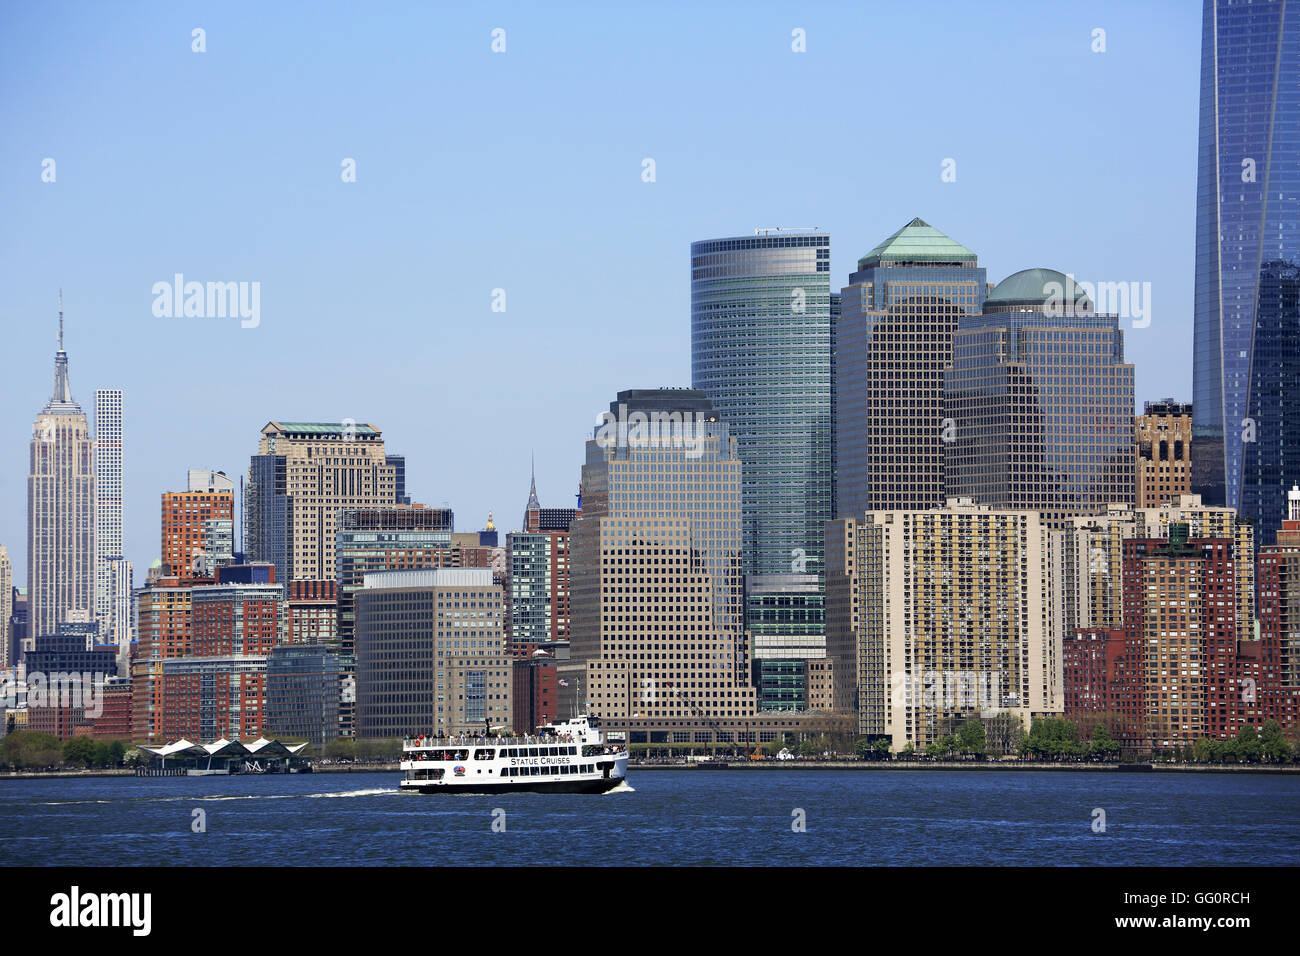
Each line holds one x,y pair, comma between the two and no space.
336,303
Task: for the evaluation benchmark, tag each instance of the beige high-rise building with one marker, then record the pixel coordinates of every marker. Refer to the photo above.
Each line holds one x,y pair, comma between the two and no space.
1163,444
6,609
60,508
302,475
658,635
957,617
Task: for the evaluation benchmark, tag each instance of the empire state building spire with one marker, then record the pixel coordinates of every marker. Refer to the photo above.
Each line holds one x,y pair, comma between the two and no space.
61,400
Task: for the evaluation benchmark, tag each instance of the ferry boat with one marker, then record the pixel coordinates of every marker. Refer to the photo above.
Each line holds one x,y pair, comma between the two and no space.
569,756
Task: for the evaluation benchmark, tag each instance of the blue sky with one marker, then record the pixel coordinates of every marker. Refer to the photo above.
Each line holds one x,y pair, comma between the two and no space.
522,171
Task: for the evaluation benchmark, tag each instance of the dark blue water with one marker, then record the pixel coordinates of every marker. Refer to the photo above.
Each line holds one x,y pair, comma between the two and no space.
667,817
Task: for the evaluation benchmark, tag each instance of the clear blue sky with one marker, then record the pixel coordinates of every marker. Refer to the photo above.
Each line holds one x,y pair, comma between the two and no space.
522,171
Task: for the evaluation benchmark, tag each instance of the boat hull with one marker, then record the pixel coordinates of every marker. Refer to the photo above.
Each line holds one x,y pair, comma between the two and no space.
601,785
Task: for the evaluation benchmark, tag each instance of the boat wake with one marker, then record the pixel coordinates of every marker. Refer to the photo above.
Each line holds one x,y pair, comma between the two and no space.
623,787
379,791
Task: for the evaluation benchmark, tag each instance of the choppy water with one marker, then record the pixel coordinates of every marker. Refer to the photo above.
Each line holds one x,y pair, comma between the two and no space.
663,817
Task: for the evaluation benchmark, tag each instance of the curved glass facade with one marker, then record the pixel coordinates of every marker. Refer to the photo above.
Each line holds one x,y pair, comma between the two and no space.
761,351
1246,408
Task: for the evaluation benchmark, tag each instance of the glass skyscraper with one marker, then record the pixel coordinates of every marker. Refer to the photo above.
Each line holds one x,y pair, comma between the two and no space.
761,351
1246,405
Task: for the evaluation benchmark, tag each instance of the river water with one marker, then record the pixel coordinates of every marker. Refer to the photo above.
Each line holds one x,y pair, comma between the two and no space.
688,817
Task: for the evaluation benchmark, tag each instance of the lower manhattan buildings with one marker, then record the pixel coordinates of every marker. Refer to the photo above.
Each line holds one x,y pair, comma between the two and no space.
944,615
303,474
761,351
431,653
1163,434
893,343
1038,402
1246,351
658,648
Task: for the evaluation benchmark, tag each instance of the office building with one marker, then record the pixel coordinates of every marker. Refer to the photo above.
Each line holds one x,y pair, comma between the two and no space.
761,353
1039,402
60,507
537,586
1246,351
1163,436
303,692
431,654
893,341
303,474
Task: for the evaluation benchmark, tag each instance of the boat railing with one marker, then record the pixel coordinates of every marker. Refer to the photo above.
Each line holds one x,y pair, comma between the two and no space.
447,743
457,743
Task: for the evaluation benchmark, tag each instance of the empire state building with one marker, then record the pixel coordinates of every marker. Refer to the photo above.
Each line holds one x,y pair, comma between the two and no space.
60,509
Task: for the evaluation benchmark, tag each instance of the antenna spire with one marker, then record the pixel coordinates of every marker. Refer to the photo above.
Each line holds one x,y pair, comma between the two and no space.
60,320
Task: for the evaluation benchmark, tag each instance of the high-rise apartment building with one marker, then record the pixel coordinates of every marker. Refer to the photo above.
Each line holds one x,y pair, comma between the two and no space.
60,508
113,605
1278,581
431,653
1185,674
1163,438
194,521
957,616
893,341
761,352
303,474
1038,402
1246,421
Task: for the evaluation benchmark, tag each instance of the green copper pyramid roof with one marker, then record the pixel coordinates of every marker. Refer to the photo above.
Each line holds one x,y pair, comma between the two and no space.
918,243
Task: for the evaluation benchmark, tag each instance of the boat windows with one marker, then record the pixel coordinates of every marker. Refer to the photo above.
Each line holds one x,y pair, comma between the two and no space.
484,753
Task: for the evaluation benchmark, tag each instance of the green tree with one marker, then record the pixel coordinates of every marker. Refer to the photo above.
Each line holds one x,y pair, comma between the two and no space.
971,738
808,749
79,751
1273,745
1102,746
116,751
342,748
1248,744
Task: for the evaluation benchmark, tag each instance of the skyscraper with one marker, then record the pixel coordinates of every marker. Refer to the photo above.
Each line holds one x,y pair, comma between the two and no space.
302,475
1246,409
112,570
1038,402
893,341
7,655
1163,434
761,352
60,508
539,573
658,631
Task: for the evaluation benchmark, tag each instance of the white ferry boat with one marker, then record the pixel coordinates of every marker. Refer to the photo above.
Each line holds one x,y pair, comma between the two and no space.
570,756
